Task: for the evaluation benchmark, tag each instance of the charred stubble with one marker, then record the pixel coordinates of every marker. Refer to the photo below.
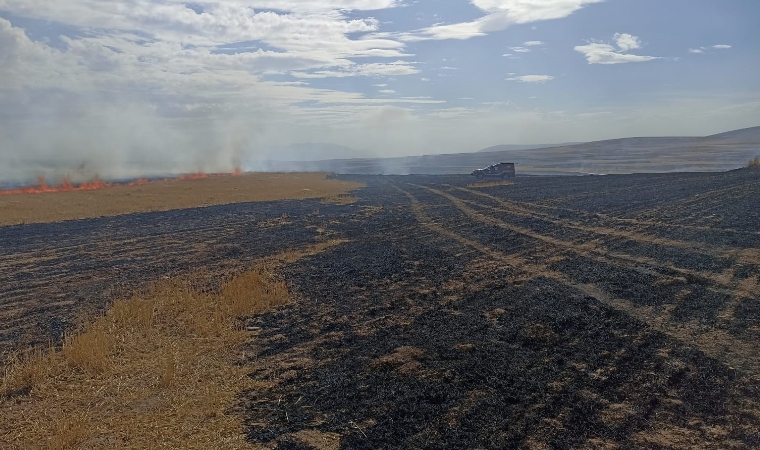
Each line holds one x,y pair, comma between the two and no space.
556,312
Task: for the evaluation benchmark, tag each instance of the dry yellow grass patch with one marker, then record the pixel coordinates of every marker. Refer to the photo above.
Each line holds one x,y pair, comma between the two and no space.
156,371
340,198
167,195
486,184
754,162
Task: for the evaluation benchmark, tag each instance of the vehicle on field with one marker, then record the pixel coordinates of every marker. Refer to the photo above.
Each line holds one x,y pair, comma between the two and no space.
500,170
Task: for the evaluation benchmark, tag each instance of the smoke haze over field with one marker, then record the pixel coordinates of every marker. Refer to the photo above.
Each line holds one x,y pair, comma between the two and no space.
116,143
133,88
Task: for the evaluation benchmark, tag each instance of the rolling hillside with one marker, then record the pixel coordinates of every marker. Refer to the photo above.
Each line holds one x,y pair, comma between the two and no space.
718,152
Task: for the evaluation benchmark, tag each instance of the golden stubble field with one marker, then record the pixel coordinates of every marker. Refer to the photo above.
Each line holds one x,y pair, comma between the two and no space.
169,194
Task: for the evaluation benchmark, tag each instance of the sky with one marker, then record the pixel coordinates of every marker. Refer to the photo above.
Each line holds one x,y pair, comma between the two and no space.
126,88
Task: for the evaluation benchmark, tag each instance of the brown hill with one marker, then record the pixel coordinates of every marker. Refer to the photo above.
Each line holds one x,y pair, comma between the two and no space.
718,152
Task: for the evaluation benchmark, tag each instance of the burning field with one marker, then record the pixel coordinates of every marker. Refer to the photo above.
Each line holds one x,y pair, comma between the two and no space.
65,201
582,312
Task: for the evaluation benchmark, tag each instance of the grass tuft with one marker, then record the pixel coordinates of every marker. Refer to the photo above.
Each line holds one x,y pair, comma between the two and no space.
754,162
68,433
88,352
340,198
22,373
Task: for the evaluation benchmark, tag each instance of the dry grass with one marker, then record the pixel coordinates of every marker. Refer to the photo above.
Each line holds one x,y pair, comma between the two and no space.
167,195
754,162
486,184
156,371
339,198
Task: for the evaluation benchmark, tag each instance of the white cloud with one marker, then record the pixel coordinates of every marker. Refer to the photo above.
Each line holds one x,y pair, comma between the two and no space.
597,53
449,68
703,49
532,78
324,5
366,70
627,42
19,57
424,79
313,30
386,91
500,14
221,23
533,43
520,49
601,53
380,85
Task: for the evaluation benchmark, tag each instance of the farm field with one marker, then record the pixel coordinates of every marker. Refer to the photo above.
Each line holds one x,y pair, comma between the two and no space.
162,195
555,312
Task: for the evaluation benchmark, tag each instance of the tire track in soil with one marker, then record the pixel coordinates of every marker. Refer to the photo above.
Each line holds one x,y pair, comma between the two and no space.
551,204
618,219
587,249
716,343
516,359
636,235
583,195
721,195
740,288
636,186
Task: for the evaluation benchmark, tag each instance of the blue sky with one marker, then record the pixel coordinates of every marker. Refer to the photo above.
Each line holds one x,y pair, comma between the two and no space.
162,85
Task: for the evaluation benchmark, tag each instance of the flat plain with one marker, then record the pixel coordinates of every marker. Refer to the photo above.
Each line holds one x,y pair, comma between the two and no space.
616,311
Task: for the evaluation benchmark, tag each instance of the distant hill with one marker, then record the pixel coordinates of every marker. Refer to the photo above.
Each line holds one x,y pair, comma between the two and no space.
745,134
505,148
719,152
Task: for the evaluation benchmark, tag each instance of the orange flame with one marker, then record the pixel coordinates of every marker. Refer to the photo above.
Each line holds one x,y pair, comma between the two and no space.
66,185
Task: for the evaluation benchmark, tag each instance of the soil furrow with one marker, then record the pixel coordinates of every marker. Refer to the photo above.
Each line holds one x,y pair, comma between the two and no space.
588,249
714,342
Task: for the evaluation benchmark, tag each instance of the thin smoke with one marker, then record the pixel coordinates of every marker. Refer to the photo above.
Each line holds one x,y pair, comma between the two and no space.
117,143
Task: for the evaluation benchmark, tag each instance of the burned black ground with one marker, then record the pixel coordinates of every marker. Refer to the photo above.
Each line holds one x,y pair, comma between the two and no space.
562,312
56,276
438,328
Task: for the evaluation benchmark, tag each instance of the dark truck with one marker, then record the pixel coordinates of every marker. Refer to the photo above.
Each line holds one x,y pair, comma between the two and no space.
501,170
